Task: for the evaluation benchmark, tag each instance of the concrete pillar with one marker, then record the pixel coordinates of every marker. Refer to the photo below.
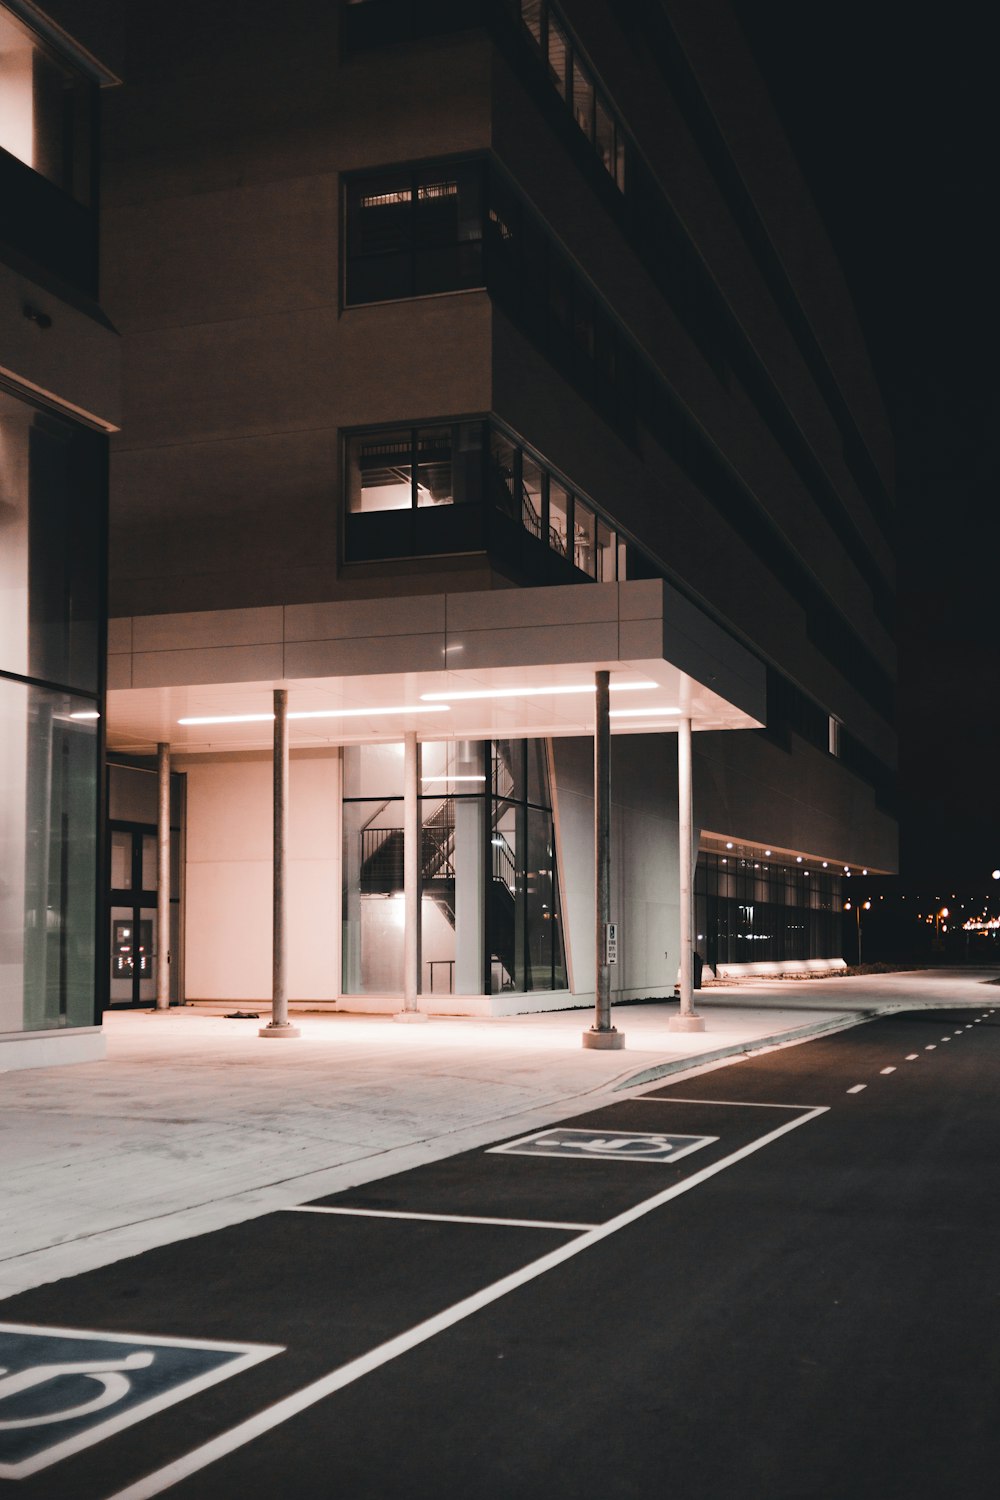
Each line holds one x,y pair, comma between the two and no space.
602,1035
279,1025
411,880
163,876
470,873
688,1019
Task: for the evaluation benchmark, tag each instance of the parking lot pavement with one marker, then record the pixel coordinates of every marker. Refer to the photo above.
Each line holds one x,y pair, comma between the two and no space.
193,1122
351,1341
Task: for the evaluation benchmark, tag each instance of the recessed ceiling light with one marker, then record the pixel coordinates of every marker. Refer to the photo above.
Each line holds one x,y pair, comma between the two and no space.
320,713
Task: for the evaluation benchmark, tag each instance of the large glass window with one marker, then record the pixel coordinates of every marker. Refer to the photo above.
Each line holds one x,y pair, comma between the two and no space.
419,469
573,80
48,852
488,882
414,233
750,909
50,546
46,110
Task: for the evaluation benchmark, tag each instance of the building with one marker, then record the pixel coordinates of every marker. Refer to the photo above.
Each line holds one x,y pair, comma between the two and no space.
474,350
58,402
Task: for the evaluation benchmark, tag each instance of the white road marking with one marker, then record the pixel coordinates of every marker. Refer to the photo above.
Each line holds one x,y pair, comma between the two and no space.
887,1070
857,1088
912,1056
392,1213
946,1039
734,1103
273,1416
931,1047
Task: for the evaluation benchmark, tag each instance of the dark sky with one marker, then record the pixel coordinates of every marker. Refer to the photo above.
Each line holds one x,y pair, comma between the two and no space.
892,114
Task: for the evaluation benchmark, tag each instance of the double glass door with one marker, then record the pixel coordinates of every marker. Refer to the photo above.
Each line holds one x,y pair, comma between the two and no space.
133,915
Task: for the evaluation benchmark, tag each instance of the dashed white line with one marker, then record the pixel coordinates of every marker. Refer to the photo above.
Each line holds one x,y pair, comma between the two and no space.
887,1070
931,1047
913,1057
300,1400
946,1039
392,1213
857,1088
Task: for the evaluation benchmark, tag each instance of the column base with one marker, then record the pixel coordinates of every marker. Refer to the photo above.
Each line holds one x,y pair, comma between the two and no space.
283,1029
686,1023
604,1041
408,1017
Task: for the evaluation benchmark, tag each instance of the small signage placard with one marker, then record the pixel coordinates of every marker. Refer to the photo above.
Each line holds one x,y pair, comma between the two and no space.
611,942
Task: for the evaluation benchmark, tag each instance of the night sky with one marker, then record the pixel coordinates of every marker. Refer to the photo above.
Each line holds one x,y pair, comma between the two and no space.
892,115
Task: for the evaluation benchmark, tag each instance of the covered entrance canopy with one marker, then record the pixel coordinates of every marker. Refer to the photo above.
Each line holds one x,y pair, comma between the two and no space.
507,665
512,662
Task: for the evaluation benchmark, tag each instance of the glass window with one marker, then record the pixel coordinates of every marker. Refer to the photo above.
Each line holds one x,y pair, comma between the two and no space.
619,172
48,851
45,110
583,98
532,499
558,518
503,475
380,470
584,537
414,234
558,55
121,860
606,550
604,134
531,15
50,554
434,466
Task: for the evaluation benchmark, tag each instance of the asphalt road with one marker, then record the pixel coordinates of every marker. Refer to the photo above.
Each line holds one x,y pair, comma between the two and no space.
779,1279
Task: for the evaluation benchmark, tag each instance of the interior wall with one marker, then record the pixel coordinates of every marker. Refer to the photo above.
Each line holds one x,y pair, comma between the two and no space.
229,865
645,899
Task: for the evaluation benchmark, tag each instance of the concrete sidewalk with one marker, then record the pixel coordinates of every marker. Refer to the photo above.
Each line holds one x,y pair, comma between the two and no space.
192,1122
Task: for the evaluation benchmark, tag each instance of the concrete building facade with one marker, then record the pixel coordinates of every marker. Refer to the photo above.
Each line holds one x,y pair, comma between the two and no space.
472,351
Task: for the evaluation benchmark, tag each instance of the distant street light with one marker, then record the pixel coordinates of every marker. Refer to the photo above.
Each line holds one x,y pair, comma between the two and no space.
996,874
857,910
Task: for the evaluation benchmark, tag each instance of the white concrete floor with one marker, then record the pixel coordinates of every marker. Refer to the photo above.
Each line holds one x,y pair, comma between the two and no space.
193,1122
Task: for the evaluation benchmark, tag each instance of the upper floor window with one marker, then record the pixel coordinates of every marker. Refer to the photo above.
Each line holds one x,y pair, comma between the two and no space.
414,233
573,79
46,110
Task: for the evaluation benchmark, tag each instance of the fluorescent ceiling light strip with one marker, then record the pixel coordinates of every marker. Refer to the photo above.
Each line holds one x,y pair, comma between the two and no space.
631,713
453,778
557,689
88,713
319,713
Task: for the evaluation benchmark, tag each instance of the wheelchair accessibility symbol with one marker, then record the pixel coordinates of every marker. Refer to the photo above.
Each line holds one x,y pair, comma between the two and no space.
607,1145
62,1390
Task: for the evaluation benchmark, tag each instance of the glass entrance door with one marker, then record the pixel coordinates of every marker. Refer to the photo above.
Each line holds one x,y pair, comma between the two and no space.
133,915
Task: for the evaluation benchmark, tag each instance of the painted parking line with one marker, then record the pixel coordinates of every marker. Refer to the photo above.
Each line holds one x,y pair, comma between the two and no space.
281,1411
394,1213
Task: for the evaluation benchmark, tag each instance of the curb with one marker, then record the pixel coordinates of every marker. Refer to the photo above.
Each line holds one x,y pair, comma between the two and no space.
760,1044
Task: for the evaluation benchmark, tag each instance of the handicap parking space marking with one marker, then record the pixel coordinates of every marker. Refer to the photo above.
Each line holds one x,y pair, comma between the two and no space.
605,1145
64,1389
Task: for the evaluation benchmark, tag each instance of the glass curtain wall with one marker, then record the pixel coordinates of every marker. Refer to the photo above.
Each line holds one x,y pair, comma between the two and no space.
51,609
489,909
753,910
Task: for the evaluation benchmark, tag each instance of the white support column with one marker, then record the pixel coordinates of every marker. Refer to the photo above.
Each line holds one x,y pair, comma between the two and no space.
411,880
163,877
602,1035
688,1019
279,1025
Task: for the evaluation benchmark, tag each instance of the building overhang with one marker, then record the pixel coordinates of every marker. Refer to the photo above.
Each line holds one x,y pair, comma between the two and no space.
510,663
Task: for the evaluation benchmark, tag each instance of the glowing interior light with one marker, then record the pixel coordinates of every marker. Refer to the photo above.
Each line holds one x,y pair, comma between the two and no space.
534,691
798,859
453,778
319,713
634,713
767,851
729,846
86,713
